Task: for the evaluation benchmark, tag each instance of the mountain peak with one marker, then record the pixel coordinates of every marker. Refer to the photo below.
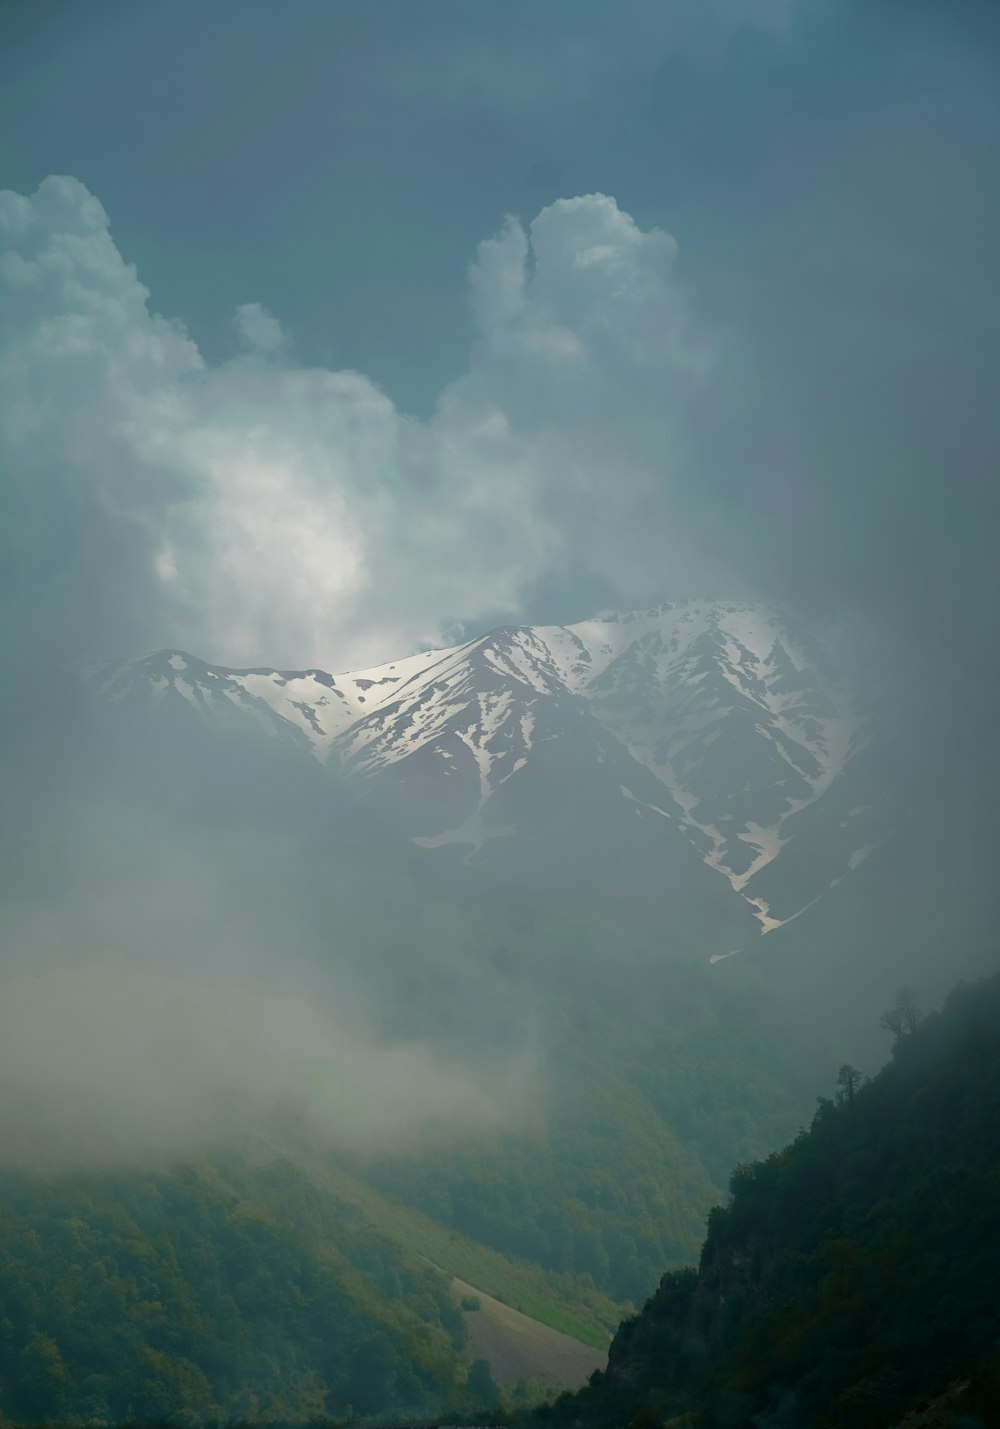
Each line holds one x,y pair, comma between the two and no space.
732,717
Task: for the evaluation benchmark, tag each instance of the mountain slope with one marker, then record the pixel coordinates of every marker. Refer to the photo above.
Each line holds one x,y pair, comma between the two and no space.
852,1276
700,733
517,1348
251,866
208,1290
739,714
255,1286
565,1303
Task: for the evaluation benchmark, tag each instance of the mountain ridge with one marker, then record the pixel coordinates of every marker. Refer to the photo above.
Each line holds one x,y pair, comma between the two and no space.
738,717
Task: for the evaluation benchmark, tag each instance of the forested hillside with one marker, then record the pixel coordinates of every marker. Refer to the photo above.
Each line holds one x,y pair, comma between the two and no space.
648,1103
248,1284
213,1290
853,1275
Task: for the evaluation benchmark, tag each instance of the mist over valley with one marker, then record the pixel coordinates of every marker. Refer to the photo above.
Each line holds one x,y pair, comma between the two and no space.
498,770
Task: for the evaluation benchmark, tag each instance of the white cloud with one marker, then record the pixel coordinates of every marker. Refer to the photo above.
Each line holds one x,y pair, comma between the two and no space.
497,279
259,510
258,330
584,305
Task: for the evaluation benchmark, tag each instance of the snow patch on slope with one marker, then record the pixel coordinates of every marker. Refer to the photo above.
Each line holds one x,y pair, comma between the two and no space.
738,712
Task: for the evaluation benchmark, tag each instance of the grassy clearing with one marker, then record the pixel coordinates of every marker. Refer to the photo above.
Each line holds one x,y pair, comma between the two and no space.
563,1302
519,1349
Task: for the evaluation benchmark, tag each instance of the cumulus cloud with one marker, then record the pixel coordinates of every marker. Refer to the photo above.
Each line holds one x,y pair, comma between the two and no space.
259,509
586,298
589,346
258,330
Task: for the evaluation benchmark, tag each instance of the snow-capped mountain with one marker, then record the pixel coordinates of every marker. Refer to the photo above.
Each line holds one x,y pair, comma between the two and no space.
717,732
307,707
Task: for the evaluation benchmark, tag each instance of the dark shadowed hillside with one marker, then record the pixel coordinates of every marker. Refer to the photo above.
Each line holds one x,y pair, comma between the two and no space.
852,1278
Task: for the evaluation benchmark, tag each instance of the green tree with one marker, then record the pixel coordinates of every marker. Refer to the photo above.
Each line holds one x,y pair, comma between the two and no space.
849,1080
903,1018
482,1387
42,1382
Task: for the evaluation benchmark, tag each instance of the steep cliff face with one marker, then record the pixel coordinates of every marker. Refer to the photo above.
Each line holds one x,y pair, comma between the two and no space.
851,1280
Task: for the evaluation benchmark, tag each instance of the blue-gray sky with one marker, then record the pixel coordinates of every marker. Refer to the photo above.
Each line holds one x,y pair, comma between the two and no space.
339,162
798,401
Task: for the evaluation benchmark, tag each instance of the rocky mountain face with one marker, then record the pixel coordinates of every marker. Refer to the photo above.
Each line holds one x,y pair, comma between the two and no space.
704,762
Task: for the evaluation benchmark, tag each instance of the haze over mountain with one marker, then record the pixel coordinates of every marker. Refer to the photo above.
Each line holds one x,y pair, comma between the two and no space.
713,725
400,340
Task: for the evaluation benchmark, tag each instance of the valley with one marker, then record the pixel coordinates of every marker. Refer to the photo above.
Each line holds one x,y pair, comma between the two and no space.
521,943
